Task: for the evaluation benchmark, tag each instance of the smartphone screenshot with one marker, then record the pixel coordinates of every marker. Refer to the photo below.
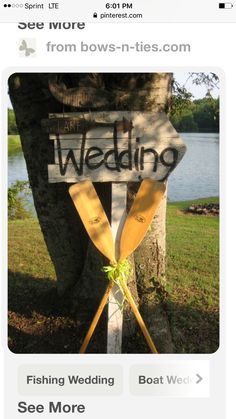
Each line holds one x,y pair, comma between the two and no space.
117,209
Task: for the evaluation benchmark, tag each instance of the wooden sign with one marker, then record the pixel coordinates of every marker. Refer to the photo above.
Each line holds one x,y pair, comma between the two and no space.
112,146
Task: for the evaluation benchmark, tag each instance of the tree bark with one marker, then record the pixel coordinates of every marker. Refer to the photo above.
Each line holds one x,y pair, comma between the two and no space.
77,263
150,260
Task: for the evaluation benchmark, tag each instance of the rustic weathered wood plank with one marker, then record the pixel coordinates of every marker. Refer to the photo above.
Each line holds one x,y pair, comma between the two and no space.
75,142
155,123
115,315
96,159
97,175
81,125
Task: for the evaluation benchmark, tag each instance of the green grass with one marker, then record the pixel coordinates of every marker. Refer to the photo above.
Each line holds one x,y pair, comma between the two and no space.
192,288
27,251
193,278
14,145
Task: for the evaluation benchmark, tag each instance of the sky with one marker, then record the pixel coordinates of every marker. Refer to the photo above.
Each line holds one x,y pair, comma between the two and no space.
182,78
198,92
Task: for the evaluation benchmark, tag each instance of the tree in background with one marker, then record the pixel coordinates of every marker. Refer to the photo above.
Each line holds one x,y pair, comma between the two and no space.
200,115
206,114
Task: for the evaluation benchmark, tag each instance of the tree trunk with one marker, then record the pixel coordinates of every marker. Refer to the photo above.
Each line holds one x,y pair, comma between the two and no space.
77,263
150,273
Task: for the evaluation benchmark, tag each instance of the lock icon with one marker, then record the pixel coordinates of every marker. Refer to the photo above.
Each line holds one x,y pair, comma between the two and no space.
95,15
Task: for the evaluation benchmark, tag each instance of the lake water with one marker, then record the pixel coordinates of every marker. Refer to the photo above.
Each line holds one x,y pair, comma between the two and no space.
196,176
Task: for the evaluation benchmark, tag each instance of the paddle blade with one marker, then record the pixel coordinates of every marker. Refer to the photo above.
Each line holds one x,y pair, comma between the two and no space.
93,216
144,207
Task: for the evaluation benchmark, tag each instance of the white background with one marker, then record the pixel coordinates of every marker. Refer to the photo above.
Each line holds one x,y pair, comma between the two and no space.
213,49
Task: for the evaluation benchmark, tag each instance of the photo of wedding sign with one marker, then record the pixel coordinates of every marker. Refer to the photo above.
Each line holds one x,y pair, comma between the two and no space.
113,205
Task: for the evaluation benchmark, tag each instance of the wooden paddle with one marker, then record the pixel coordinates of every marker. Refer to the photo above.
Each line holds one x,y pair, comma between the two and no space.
140,216
96,318
82,193
94,218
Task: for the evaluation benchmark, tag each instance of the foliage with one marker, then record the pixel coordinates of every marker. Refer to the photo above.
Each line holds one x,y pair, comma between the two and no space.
201,115
12,127
206,114
119,273
210,80
17,204
181,98
14,144
184,121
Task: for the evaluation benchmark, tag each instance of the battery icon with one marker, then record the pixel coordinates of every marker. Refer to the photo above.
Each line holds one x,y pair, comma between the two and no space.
225,5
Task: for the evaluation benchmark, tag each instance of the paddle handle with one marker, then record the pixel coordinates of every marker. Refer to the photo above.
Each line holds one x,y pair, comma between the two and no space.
139,318
135,311
96,318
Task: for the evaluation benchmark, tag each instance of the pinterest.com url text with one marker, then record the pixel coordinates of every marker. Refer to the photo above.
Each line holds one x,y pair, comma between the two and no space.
121,15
